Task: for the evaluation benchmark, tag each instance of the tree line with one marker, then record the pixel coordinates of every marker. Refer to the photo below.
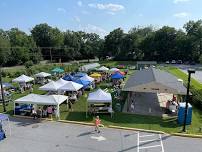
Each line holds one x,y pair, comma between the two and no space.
140,43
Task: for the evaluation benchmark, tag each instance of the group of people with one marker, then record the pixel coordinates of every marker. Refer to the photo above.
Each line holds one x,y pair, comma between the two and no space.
46,111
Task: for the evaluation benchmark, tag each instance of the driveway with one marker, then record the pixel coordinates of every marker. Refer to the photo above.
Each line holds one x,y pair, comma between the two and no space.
28,136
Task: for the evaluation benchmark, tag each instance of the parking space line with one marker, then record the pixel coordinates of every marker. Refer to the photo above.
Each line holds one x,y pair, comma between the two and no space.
161,142
147,135
150,147
138,136
149,140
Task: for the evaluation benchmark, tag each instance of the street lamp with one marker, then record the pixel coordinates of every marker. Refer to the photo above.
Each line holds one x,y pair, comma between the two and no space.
190,71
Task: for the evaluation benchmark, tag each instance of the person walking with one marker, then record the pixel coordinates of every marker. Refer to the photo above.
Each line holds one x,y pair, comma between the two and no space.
97,124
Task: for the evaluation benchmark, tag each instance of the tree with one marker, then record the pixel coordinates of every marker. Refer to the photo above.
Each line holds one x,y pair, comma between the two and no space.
4,47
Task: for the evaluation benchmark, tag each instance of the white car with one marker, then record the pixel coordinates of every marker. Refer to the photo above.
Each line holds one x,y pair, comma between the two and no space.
167,62
173,62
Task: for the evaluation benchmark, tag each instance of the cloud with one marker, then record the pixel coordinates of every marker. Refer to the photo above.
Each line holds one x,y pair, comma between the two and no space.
111,13
77,19
109,7
79,3
95,29
181,15
61,10
180,1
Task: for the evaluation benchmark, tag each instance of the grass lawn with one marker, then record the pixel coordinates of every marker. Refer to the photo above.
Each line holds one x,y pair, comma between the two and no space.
168,125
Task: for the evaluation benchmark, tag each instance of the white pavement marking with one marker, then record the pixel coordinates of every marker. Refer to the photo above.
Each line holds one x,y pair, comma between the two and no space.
139,147
147,147
100,138
161,143
138,142
147,135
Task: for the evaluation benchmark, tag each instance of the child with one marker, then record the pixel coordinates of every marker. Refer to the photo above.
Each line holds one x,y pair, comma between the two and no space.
97,123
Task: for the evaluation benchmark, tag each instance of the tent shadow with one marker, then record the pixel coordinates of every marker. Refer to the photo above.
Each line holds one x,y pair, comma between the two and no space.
78,116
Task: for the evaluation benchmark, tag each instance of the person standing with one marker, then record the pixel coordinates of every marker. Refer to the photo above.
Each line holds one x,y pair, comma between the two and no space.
97,124
50,111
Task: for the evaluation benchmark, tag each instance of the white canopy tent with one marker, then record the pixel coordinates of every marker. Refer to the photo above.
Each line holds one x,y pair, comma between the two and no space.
88,67
43,100
23,79
114,69
71,86
51,86
61,82
42,75
98,97
103,68
87,78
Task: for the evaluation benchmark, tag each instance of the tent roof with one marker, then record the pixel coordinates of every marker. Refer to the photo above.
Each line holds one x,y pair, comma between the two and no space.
68,77
58,70
51,86
23,78
95,75
114,69
99,96
7,85
79,74
42,99
42,75
87,78
71,86
89,66
103,68
117,75
82,82
154,80
3,117
61,82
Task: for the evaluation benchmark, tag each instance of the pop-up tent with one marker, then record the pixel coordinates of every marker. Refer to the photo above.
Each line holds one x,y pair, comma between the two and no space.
61,82
51,86
117,75
57,70
43,100
7,85
114,69
42,75
83,82
79,74
23,79
70,86
100,97
4,118
87,78
88,67
69,77
103,68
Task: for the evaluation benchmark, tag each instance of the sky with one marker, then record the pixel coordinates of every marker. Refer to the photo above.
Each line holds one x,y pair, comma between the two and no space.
98,16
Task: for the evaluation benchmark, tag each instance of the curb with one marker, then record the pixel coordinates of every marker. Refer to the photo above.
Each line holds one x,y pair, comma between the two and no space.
136,129
186,135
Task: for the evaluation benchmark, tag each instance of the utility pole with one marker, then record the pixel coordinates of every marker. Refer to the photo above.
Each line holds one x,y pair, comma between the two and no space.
50,54
190,71
2,92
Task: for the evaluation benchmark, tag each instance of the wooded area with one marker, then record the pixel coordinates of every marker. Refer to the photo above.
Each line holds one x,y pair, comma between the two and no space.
140,43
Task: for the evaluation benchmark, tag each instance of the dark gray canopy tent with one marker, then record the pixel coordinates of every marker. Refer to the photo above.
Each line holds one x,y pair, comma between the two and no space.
156,81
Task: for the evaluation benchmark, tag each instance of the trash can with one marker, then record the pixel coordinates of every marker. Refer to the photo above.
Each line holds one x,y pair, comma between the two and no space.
181,113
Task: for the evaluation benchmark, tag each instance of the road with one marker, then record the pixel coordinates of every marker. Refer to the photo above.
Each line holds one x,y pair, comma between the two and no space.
28,136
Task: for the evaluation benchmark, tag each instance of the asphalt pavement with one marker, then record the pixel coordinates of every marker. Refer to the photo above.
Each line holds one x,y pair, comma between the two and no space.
29,136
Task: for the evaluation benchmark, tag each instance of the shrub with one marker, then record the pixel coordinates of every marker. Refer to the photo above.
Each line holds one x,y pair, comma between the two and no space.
28,64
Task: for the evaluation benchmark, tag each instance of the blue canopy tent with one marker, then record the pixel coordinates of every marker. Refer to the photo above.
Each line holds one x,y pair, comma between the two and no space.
7,85
83,82
79,74
57,70
117,75
69,78
3,118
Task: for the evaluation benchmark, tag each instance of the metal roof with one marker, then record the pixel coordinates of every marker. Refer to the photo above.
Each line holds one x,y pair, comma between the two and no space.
154,80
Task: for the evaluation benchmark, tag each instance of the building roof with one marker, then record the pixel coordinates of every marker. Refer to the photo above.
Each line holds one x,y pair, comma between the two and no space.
154,80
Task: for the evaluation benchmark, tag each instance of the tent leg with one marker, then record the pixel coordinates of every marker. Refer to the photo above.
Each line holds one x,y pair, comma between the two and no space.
58,112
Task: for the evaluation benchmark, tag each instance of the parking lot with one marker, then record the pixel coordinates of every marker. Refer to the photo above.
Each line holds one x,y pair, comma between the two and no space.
28,136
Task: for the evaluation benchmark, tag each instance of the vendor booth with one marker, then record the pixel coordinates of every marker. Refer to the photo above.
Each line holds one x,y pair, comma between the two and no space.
87,78
114,70
96,76
57,71
99,102
35,99
23,81
71,86
103,69
42,77
69,77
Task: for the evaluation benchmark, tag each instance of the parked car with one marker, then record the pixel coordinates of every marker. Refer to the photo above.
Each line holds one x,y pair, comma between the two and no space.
173,62
179,61
167,62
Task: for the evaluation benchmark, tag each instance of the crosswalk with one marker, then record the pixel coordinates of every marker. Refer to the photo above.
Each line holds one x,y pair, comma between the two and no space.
149,142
